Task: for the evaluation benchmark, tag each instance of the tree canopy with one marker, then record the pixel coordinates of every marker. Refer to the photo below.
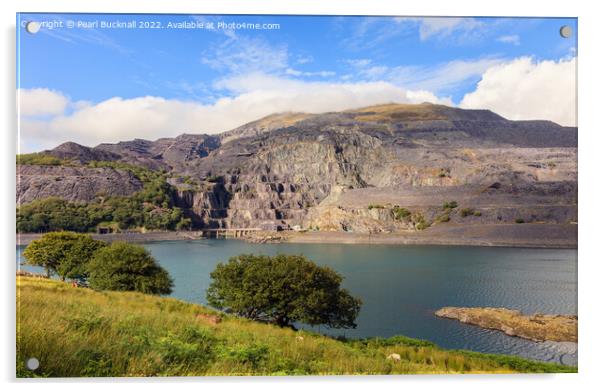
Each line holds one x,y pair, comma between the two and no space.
152,207
128,267
63,253
282,289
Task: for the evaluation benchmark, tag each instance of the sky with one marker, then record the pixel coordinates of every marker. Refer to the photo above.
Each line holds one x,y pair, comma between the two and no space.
93,78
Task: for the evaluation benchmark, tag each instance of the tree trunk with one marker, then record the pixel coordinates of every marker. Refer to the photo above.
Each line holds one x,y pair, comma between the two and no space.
283,321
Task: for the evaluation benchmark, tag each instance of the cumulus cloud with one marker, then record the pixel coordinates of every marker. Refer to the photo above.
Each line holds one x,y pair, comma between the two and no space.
518,89
41,101
525,89
254,96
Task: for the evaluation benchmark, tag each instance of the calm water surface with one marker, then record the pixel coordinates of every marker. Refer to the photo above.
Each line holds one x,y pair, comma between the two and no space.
401,286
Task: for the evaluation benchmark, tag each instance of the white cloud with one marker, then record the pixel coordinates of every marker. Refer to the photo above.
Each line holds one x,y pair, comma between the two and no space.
518,89
511,39
526,89
436,78
241,54
255,96
305,59
295,72
442,77
360,62
41,101
443,27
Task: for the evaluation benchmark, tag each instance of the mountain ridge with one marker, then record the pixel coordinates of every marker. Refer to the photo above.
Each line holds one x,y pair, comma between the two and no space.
314,170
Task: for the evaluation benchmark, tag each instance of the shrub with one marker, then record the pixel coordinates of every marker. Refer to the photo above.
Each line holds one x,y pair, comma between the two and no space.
422,226
375,206
128,267
450,205
255,355
94,363
419,221
465,212
183,224
395,340
444,218
282,289
86,323
401,213
477,213
519,221
192,346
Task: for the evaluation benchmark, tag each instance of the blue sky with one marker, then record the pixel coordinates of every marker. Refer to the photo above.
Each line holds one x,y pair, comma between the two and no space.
437,59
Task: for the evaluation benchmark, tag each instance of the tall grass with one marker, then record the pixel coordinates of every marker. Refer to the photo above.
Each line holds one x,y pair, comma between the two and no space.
81,332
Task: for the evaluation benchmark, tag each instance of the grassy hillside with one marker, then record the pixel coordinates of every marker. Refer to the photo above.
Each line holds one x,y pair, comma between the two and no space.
80,332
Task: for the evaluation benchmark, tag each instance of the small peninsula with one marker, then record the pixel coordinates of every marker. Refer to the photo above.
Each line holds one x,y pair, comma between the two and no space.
536,327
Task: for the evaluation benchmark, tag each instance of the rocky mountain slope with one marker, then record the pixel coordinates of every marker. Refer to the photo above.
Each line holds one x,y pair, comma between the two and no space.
384,168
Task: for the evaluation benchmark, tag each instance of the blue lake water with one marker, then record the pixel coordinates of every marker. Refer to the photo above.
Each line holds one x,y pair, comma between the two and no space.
402,286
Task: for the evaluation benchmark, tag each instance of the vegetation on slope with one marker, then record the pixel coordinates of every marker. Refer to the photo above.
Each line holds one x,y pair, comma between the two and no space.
40,159
81,332
151,208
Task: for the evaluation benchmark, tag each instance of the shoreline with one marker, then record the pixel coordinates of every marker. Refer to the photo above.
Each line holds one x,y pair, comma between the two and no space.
426,239
549,236
536,327
120,306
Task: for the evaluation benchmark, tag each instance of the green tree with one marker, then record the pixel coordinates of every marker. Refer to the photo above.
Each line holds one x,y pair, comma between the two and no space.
128,267
75,263
63,253
184,224
282,289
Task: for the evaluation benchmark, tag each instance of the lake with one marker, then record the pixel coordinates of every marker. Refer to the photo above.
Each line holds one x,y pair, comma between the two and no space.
402,286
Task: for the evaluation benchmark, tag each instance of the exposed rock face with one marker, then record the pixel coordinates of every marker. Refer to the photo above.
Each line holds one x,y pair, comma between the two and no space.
537,327
80,154
72,183
324,170
164,153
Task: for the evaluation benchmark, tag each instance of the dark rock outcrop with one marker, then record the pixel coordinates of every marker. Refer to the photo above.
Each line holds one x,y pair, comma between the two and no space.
73,183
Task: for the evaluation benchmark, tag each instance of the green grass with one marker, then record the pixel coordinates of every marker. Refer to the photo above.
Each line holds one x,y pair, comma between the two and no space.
81,332
41,159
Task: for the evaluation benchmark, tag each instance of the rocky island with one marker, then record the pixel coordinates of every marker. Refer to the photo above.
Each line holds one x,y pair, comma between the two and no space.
397,172
536,327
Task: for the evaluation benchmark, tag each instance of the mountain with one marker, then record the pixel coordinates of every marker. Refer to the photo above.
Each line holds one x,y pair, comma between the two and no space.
355,170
